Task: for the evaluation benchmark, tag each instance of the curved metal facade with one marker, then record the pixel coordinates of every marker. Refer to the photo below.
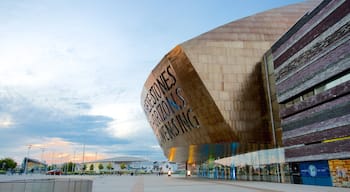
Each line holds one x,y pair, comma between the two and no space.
205,98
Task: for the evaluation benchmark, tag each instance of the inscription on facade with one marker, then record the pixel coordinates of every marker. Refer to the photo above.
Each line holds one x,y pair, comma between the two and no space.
167,109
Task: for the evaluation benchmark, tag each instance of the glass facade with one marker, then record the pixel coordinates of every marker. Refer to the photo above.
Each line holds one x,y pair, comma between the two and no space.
264,165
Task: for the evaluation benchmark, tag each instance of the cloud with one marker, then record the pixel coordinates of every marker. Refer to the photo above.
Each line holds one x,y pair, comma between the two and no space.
75,77
73,74
39,120
5,121
58,150
107,129
52,150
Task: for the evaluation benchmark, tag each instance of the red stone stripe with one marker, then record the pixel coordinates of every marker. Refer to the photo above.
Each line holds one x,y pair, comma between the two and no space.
302,26
337,132
318,149
333,18
325,61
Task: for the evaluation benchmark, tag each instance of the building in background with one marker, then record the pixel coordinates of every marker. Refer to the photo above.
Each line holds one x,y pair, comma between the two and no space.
121,164
33,166
163,167
261,98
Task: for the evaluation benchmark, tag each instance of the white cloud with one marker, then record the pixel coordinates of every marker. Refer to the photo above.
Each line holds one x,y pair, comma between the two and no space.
156,147
128,119
6,121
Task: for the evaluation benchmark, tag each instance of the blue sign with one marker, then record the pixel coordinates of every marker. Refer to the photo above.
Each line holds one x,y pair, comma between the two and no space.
315,173
314,169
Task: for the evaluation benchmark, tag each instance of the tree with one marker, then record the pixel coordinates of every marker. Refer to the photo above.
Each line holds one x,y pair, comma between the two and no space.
100,166
91,167
51,167
7,163
67,167
84,167
122,165
71,166
109,166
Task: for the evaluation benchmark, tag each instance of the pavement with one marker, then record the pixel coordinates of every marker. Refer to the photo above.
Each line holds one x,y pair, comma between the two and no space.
177,183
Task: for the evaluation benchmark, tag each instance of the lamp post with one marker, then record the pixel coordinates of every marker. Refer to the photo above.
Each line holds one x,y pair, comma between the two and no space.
26,164
83,157
52,159
42,160
42,154
73,163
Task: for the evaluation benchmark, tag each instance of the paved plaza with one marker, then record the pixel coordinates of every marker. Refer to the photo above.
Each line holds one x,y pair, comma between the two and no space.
175,183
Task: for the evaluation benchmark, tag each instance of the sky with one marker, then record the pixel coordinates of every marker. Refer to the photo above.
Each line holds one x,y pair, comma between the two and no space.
71,72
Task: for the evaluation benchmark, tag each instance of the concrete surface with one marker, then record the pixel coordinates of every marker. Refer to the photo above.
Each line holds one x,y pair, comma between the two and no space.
175,183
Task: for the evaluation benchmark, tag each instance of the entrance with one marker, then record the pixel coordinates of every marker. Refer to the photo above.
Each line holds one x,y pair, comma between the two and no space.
295,173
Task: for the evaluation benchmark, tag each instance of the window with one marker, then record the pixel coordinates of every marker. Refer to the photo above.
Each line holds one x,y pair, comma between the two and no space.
318,89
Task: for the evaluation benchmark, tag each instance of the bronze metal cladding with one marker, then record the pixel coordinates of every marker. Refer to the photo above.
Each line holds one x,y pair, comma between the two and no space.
179,107
207,93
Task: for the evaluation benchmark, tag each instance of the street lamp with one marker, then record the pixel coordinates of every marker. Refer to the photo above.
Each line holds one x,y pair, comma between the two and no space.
42,154
73,163
26,165
42,160
83,157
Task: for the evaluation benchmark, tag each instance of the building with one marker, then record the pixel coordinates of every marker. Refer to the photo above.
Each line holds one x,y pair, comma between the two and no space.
163,167
30,165
121,164
261,98
312,75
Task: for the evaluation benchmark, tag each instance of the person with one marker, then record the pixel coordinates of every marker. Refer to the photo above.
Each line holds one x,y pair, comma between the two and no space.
169,173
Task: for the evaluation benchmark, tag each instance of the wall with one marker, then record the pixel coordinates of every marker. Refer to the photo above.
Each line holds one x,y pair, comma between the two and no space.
312,73
340,171
47,185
